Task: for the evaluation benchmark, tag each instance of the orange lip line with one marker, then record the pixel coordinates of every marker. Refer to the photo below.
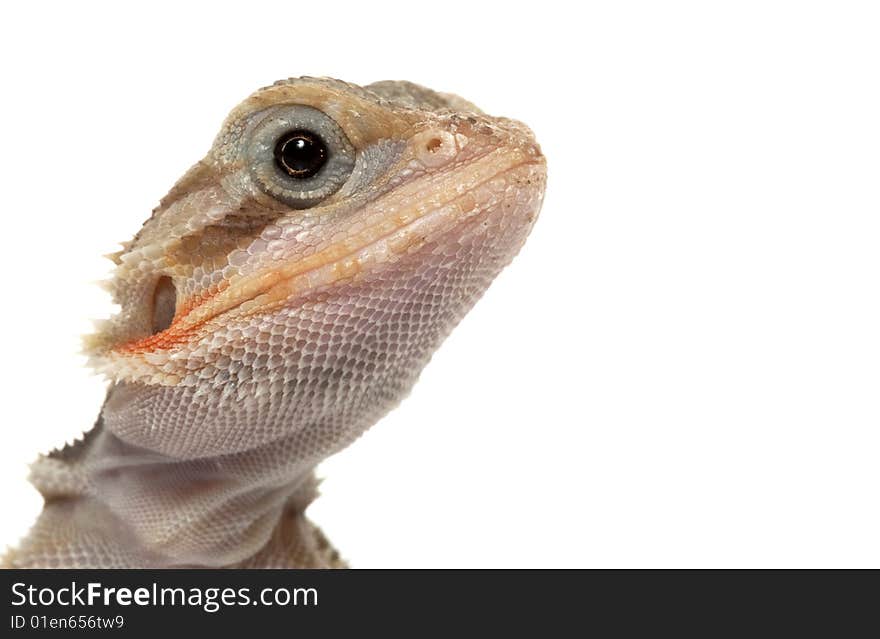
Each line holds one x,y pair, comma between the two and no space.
174,334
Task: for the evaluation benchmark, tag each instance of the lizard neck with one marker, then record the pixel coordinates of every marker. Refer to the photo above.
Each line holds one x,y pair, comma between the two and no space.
213,512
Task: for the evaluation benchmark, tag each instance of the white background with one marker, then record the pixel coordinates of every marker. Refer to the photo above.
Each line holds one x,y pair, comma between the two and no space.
680,369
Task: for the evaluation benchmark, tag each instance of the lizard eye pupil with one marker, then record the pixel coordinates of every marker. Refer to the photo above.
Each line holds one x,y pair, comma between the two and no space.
300,153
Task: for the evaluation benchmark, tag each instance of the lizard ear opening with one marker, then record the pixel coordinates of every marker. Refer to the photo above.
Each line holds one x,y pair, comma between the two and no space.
164,304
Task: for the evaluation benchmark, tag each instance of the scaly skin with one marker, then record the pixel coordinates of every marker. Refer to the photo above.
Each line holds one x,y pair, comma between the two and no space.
266,320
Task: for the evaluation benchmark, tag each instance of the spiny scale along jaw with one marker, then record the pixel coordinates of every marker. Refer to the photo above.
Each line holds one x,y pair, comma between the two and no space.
296,280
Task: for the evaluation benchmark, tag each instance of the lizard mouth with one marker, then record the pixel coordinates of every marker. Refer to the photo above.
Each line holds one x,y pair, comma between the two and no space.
407,218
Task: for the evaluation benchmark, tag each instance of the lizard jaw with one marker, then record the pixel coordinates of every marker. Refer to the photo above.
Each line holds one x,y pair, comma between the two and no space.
403,221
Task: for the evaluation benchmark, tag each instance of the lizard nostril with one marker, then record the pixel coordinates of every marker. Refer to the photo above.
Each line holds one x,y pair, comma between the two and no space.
164,304
435,148
433,145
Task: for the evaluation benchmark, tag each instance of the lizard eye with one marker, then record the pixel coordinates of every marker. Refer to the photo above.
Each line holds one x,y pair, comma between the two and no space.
299,155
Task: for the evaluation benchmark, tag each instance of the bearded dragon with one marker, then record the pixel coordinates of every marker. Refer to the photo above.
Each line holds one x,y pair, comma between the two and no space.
283,296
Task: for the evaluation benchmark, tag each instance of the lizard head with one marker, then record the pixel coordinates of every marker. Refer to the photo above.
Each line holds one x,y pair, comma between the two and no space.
296,280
